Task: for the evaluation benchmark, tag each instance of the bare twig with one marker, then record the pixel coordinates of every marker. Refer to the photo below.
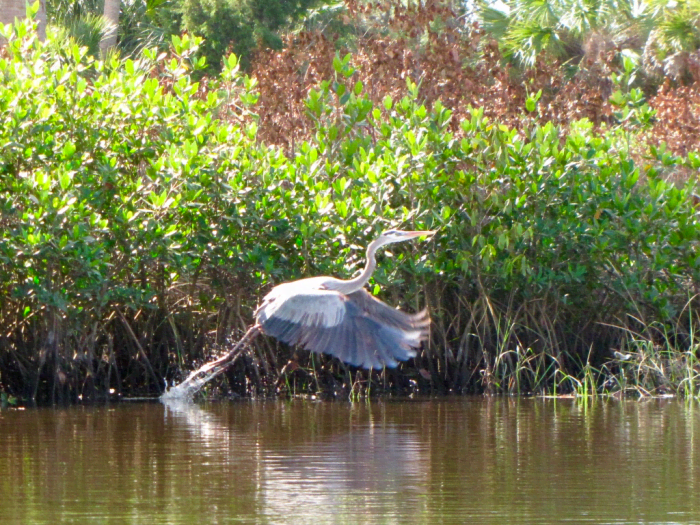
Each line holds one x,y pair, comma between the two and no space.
142,353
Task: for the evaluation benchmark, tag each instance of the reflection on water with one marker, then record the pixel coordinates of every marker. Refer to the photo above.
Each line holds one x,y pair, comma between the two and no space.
311,460
476,460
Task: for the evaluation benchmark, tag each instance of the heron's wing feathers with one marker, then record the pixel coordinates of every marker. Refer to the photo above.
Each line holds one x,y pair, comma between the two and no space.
307,307
391,316
356,328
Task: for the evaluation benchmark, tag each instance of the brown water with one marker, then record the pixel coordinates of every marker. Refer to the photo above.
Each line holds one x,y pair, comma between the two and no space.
475,460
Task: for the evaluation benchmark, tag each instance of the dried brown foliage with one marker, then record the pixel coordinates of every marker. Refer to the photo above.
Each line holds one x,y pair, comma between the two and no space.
455,63
677,117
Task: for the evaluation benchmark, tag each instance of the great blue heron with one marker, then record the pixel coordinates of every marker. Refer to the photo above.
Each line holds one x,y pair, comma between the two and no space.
340,318
328,315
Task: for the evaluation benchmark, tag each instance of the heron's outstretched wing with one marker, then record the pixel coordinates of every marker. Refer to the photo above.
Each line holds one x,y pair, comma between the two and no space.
391,316
356,328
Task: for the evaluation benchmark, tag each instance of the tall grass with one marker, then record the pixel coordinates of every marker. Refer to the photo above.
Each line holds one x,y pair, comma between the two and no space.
658,359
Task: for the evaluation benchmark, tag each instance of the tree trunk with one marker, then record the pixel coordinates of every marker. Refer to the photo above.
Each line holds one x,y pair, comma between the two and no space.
111,13
11,9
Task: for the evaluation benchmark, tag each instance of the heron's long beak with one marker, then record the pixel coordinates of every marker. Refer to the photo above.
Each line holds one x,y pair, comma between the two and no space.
417,233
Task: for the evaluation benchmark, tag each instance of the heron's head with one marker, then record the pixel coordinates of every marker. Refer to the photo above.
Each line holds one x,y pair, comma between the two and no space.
390,236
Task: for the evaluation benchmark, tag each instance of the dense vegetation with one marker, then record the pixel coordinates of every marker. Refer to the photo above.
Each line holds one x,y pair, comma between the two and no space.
241,26
143,215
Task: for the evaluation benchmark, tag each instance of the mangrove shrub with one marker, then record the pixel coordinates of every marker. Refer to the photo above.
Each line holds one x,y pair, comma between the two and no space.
142,219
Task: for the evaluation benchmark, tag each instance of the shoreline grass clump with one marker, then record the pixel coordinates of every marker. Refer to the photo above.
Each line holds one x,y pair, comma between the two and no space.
142,219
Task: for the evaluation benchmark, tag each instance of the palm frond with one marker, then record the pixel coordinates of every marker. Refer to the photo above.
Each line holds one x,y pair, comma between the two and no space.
677,32
525,41
59,11
86,30
540,12
494,21
147,24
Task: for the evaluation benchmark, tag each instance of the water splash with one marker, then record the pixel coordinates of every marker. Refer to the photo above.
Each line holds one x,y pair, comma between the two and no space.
185,391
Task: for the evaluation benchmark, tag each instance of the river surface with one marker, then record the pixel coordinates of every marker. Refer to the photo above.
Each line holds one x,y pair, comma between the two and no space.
466,460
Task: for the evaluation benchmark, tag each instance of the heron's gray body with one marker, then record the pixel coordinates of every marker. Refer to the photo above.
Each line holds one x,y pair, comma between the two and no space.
340,318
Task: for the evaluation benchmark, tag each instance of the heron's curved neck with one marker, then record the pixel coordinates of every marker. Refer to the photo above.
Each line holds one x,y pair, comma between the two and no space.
358,282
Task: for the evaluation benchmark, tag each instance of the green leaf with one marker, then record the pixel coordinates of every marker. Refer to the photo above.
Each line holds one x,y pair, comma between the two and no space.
337,64
68,150
64,180
388,102
342,208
